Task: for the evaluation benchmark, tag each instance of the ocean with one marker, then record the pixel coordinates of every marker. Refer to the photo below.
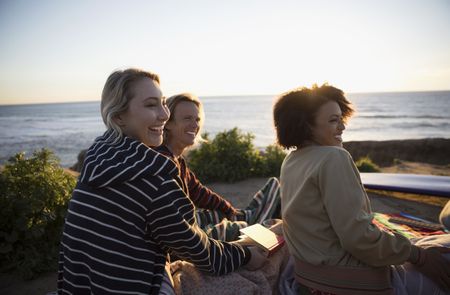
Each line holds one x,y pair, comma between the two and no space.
67,128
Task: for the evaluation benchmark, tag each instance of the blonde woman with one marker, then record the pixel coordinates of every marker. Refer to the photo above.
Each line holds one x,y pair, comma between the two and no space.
128,212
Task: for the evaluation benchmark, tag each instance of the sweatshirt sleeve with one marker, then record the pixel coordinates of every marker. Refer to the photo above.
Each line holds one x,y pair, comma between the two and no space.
203,197
170,228
348,208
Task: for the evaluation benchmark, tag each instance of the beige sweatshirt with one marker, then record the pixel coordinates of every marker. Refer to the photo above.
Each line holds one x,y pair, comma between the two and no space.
327,215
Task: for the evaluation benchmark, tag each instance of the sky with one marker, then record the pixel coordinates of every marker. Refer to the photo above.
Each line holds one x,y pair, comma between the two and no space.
61,51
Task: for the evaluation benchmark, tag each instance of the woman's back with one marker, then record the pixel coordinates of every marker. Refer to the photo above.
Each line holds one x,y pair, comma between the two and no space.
327,212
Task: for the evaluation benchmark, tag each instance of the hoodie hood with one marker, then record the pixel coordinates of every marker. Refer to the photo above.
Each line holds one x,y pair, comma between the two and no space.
111,161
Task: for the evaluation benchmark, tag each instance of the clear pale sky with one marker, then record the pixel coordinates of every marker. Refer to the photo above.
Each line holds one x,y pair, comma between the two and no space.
64,50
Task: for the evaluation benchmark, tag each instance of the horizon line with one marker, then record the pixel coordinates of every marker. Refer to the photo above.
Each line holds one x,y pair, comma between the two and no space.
215,96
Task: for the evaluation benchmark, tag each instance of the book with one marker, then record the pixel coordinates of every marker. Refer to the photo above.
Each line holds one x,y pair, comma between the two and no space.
264,238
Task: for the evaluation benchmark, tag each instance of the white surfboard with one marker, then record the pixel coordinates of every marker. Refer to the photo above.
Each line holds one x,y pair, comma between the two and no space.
408,183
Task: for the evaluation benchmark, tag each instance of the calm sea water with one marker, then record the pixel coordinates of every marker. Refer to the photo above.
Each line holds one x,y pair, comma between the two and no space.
67,128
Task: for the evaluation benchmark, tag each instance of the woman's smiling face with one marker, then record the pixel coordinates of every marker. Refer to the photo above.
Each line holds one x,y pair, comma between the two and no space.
146,114
328,125
184,126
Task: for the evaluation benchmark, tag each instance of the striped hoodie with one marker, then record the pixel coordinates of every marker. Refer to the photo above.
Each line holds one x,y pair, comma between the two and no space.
127,213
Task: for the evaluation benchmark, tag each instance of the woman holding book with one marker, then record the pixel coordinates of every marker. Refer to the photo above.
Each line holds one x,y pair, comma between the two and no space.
128,211
326,212
214,213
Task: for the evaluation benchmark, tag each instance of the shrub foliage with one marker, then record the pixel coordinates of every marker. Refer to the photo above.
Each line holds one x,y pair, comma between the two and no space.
231,156
274,156
365,164
33,203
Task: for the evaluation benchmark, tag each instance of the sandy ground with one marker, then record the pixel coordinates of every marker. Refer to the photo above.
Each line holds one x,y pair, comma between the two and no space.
240,193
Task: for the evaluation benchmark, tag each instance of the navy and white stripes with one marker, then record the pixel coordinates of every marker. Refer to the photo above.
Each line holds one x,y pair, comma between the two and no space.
126,214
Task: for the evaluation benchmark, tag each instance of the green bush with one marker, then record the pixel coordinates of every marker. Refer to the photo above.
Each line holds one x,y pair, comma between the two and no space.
365,164
397,161
231,156
273,158
33,204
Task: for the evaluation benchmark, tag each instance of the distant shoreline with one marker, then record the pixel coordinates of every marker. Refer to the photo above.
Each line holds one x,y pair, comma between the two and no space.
434,151
384,153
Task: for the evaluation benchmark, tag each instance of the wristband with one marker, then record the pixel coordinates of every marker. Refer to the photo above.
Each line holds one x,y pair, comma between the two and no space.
418,256
414,256
422,257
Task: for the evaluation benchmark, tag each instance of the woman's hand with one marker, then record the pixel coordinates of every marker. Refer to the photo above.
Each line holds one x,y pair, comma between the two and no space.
245,241
257,259
433,264
277,226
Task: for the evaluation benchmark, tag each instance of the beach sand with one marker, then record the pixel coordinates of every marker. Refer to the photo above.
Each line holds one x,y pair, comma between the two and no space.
240,194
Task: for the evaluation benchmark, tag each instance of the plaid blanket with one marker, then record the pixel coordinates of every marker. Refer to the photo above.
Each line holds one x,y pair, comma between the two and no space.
382,221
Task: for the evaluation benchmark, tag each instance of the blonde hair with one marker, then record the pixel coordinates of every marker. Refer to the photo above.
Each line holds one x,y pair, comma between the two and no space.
117,93
172,103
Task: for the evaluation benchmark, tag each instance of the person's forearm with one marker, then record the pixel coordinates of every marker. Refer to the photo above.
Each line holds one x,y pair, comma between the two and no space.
170,230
